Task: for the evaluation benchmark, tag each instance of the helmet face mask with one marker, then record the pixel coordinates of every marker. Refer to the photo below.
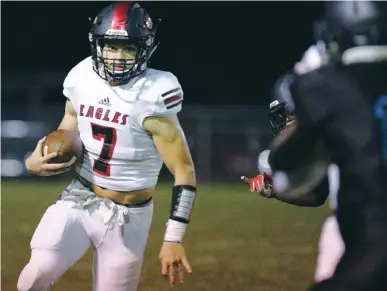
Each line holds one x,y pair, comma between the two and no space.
119,70
280,118
118,57
122,40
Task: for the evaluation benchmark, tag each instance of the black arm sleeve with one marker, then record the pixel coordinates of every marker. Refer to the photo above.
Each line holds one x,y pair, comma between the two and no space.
315,198
303,155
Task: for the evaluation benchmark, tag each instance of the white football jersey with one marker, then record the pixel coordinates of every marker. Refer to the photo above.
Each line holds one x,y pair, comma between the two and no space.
119,154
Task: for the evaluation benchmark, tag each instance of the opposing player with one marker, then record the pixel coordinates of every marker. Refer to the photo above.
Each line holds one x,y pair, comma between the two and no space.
341,107
283,121
126,115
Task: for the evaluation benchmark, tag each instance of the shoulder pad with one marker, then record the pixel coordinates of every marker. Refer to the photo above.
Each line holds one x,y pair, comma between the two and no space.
313,59
73,77
161,95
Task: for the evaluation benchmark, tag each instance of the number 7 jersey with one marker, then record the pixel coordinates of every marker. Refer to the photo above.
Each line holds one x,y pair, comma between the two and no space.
118,153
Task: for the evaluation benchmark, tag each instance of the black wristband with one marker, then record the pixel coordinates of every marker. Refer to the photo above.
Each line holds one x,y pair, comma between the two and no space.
183,198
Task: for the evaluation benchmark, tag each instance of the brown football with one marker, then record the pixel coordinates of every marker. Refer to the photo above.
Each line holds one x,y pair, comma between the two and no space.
67,143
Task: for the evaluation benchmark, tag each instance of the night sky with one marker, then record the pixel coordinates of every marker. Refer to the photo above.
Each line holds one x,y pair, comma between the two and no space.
222,52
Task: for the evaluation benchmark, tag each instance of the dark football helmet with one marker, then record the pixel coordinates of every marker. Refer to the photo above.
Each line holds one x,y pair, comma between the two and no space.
122,23
348,24
279,116
282,108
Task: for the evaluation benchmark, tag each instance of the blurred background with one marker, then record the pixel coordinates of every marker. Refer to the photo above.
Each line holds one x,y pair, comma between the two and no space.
226,55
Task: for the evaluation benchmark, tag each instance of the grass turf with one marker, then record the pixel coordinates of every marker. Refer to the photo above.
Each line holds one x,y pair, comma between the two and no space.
236,241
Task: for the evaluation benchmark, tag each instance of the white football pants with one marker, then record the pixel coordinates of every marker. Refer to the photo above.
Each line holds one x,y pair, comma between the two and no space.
331,248
68,228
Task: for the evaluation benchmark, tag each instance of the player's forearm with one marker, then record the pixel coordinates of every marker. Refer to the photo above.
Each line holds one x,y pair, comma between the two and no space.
185,175
314,198
27,164
308,200
182,202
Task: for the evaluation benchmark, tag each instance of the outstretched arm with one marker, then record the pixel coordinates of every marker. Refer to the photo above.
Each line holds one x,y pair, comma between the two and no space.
170,141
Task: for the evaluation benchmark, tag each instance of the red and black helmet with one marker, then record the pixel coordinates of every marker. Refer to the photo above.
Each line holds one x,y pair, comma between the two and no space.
122,22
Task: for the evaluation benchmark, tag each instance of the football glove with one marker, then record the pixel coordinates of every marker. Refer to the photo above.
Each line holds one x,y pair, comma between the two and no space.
261,183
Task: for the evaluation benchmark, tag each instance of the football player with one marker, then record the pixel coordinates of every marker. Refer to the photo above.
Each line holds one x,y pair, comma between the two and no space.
126,115
341,111
283,122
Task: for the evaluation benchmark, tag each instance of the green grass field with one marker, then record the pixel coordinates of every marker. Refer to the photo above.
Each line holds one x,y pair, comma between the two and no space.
236,241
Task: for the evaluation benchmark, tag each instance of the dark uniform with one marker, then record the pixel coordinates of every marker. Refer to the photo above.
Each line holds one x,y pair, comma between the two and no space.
280,115
342,109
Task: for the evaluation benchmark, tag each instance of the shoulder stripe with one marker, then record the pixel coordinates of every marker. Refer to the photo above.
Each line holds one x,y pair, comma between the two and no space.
172,99
170,92
174,104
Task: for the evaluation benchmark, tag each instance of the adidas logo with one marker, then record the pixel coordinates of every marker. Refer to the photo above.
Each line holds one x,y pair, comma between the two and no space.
105,101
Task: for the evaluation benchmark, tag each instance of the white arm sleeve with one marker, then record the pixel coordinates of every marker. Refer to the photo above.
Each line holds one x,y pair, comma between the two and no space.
263,162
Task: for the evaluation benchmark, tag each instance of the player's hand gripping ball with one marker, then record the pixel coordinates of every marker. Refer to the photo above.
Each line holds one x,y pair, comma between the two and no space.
66,143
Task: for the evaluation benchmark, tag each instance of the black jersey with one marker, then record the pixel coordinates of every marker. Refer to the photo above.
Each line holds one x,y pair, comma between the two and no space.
345,108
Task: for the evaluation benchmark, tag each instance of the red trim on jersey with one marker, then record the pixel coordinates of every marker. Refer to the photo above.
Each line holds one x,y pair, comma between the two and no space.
172,99
120,15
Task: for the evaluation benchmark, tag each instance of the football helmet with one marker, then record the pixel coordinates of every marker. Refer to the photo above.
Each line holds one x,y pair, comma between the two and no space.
122,23
349,24
282,107
279,116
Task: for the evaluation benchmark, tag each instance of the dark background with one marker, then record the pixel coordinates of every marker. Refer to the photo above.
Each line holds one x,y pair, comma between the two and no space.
226,55
222,52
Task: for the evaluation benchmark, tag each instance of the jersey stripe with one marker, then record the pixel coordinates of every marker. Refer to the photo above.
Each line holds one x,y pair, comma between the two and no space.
120,14
174,104
172,99
170,92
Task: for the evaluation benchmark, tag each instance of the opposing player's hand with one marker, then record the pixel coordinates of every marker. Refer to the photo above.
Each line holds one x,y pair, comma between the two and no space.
38,162
173,262
261,183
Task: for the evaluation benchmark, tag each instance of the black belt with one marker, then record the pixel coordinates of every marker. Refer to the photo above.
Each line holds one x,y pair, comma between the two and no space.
87,184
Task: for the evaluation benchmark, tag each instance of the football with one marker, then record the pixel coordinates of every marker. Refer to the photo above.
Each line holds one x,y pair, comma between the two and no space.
67,143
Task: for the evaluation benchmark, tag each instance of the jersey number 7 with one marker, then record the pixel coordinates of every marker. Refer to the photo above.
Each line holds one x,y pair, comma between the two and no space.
109,137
